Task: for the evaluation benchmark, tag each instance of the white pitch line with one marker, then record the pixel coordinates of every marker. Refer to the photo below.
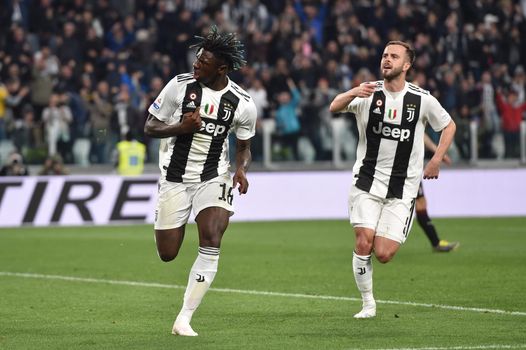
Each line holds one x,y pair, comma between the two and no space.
474,347
257,292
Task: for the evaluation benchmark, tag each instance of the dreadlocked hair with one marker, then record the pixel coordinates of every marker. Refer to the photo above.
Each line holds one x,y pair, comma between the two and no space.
224,46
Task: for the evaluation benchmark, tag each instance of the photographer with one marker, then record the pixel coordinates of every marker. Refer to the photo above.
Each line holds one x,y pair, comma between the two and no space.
14,166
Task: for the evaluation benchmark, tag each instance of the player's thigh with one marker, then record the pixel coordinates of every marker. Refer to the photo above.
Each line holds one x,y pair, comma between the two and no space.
174,204
364,209
217,192
169,242
421,203
213,206
211,224
396,219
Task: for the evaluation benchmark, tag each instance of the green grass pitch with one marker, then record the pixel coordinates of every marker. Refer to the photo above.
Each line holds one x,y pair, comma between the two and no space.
473,298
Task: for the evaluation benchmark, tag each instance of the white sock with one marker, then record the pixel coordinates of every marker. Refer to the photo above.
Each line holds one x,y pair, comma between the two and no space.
201,276
363,275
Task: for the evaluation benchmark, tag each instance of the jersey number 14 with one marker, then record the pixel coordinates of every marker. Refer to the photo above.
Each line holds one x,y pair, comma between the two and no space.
226,194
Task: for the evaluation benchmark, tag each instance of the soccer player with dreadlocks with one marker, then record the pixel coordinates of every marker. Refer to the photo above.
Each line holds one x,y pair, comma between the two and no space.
193,116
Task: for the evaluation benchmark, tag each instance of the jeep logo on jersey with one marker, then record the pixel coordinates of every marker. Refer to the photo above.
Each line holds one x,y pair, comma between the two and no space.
211,128
392,132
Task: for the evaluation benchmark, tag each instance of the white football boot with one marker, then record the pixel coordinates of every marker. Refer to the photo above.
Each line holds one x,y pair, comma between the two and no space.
182,327
368,310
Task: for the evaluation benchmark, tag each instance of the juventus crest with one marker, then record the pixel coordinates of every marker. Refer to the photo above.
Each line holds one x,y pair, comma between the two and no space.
411,108
228,108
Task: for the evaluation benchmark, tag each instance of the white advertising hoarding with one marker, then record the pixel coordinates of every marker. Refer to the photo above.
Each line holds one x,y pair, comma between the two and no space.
99,200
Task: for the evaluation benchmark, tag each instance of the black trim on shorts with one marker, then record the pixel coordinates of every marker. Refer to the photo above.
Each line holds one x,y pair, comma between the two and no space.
409,218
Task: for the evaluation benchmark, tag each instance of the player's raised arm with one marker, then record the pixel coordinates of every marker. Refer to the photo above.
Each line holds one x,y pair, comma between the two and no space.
190,123
342,100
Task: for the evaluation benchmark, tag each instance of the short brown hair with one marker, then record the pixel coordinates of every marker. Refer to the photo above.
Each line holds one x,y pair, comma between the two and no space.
409,49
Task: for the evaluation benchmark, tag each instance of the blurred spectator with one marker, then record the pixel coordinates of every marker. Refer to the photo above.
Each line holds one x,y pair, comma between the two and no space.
68,45
25,132
518,84
119,39
182,40
53,166
259,95
278,82
19,10
72,46
41,85
130,156
511,114
18,45
467,110
101,110
3,111
50,63
18,97
126,118
57,118
313,17
287,121
92,45
490,122
14,166
156,84
79,126
317,119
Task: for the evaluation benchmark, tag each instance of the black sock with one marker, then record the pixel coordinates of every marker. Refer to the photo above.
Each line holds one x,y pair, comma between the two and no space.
428,227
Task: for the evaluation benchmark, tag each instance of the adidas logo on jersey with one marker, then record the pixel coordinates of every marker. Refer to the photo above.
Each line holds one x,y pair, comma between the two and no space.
191,104
377,110
392,132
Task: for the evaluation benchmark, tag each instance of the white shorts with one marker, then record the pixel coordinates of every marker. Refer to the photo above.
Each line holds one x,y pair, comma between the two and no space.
391,218
176,200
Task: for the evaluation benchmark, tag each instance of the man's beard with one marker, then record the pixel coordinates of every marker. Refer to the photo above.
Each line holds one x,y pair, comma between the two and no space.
393,74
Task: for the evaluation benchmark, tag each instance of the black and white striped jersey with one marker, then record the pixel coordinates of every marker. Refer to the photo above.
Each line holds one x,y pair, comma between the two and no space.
203,155
390,154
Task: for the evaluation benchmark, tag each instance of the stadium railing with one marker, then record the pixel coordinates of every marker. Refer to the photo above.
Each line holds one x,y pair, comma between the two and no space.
337,124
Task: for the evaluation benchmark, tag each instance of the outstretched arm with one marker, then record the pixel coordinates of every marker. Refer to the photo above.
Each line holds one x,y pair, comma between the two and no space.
243,159
342,100
433,166
431,146
190,123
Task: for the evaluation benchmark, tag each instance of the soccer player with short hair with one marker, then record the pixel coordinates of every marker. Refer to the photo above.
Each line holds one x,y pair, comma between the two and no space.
193,115
391,116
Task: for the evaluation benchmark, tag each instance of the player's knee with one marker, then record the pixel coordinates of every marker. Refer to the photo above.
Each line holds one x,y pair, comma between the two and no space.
364,245
383,256
167,257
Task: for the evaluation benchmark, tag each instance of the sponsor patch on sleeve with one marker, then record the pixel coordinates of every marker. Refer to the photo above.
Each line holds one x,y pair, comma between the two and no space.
157,104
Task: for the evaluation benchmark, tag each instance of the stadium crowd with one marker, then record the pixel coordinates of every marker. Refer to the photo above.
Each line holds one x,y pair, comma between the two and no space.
77,75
